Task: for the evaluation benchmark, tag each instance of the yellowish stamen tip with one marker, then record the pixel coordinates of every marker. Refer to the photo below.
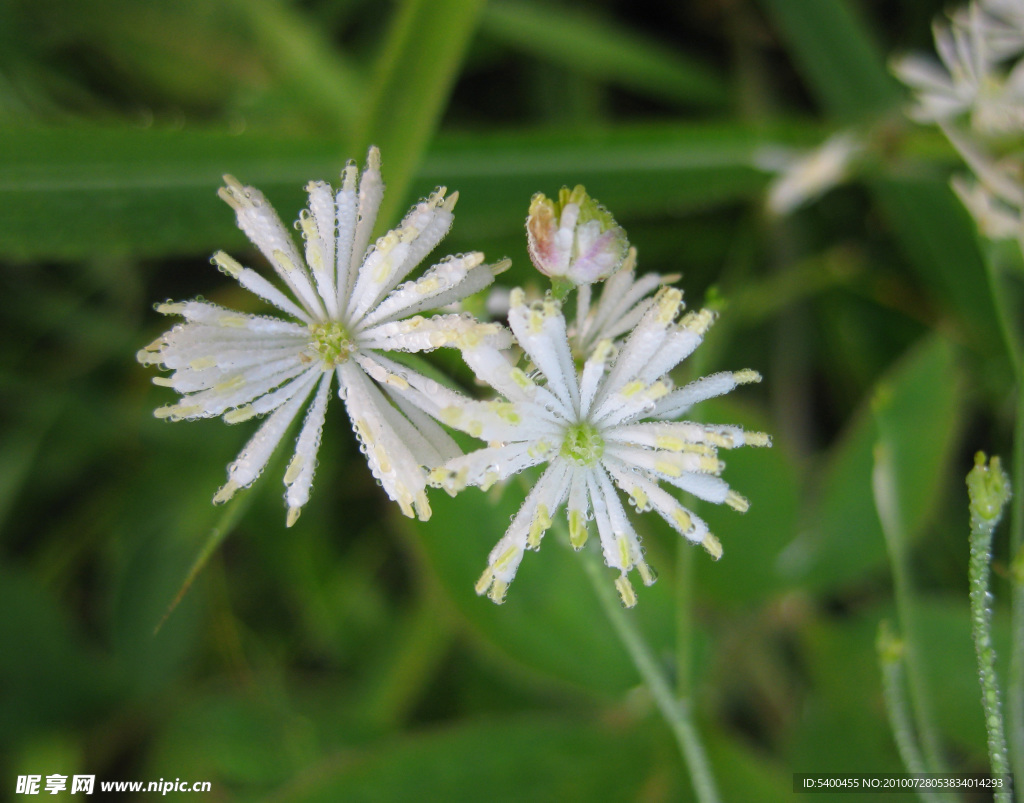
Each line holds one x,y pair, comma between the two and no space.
626,592
293,516
225,493
737,502
757,439
712,545
578,531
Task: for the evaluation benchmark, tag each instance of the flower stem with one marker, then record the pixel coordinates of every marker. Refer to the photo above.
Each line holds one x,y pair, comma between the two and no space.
989,490
684,617
676,711
883,482
890,659
1015,701
1002,300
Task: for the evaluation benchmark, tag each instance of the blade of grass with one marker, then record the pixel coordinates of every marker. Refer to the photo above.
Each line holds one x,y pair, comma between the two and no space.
233,511
836,56
586,44
306,60
68,193
415,70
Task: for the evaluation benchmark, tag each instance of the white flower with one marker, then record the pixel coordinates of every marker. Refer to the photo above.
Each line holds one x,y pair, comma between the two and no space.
971,78
806,176
349,304
609,425
623,301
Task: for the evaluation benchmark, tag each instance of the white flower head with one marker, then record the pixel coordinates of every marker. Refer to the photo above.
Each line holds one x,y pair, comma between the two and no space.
806,176
574,239
608,426
972,78
347,304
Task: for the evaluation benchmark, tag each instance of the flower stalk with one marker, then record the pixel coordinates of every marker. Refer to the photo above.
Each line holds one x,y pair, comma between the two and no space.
677,711
989,490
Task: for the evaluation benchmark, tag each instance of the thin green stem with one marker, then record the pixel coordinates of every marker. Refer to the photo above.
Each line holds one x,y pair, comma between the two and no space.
676,711
886,501
684,617
1002,300
890,659
989,489
1015,691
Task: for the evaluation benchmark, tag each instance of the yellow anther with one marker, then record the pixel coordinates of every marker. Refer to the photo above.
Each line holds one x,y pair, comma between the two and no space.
176,308
682,519
668,468
640,498
232,383
422,505
632,388
451,415
578,531
757,439
710,465
497,592
485,581
163,381
225,493
647,574
284,260
670,442
698,322
746,376
227,263
293,516
506,558
737,502
450,201
602,351
520,378
202,362
243,413
668,301
539,525
712,545
506,411
428,285
626,592
294,468
624,552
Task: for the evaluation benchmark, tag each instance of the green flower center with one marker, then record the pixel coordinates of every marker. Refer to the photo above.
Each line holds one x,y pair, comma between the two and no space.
331,342
583,444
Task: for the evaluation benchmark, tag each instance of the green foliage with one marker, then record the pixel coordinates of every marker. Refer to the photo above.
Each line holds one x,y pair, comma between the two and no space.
348,658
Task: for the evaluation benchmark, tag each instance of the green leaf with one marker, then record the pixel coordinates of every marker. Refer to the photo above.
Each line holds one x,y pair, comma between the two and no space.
70,193
752,542
48,679
920,403
836,56
941,241
415,71
550,621
532,757
586,44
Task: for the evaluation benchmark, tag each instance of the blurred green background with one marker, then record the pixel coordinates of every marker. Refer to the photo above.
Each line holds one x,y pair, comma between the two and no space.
348,658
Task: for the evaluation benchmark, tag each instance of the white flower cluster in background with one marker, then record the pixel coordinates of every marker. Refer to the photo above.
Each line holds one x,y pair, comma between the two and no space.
974,93
593,404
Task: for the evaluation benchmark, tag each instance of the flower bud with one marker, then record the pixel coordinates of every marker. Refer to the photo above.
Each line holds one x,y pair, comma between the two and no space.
574,239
